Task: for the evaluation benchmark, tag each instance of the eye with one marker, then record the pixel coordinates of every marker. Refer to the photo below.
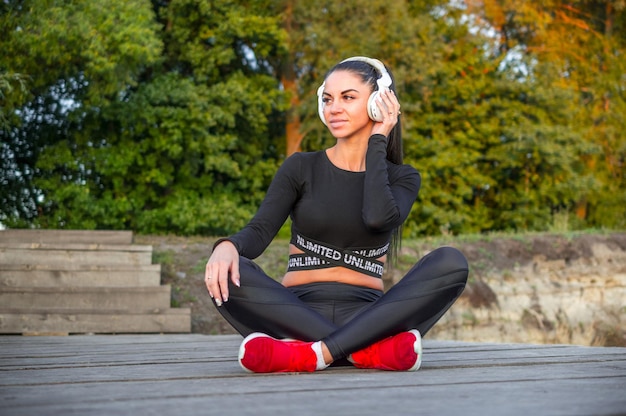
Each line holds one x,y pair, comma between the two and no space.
348,97
325,100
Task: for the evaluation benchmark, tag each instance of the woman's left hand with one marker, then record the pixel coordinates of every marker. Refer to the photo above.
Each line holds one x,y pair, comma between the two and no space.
390,109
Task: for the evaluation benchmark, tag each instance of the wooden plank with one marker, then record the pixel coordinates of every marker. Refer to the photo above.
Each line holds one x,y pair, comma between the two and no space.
76,247
75,254
66,236
86,298
80,276
77,267
317,394
197,374
175,320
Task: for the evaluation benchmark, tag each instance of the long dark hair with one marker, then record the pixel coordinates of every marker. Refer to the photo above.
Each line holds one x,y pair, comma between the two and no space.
369,75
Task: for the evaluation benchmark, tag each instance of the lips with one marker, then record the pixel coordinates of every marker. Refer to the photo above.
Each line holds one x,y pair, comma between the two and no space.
337,123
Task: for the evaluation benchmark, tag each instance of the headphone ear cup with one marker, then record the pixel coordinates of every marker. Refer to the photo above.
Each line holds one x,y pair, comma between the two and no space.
320,103
372,108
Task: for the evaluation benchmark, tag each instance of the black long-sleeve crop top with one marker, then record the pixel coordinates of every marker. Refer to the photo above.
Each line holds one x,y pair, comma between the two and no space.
353,211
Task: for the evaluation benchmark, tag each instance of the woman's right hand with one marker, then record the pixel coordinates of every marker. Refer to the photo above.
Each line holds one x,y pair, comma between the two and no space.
389,107
222,265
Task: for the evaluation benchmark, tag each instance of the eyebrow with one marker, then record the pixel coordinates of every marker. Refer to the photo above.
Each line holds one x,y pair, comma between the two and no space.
343,92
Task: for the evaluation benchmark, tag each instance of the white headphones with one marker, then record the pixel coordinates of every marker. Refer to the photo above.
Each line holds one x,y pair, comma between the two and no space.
383,82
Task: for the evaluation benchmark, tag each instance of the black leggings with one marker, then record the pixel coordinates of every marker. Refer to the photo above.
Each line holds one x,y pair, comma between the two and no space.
346,318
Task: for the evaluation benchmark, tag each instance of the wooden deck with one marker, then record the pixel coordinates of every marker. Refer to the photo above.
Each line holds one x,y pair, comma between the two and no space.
199,375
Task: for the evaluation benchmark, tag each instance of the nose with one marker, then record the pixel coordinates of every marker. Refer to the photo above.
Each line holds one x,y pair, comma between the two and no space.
335,106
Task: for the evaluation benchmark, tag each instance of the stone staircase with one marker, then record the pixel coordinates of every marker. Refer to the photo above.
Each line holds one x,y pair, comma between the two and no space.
75,281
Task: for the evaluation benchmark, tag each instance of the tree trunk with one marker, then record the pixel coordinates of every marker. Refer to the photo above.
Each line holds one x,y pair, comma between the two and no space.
290,84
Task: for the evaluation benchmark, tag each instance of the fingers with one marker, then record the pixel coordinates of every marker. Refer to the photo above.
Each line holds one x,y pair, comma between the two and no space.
210,280
216,281
234,274
390,104
222,282
222,265
390,110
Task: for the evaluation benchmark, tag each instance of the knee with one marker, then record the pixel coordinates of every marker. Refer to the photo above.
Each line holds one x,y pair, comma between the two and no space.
454,260
252,276
452,256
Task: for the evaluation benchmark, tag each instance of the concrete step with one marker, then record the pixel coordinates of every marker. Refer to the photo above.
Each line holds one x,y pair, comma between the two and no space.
45,322
75,281
79,275
66,236
87,298
64,254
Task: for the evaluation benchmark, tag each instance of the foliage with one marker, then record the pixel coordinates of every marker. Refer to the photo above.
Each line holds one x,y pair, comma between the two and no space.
495,151
75,57
172,116
168,124
576,47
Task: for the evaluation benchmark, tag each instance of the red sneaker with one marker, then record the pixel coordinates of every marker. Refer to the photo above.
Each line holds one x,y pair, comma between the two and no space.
260,353
401,352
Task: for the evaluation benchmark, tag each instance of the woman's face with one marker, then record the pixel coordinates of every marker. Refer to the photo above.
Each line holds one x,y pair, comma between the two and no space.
345,105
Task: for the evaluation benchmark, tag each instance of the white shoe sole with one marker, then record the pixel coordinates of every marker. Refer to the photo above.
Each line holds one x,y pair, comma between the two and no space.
417,347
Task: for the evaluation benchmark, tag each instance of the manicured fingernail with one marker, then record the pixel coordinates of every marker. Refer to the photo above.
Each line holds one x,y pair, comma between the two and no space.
218,302
237,283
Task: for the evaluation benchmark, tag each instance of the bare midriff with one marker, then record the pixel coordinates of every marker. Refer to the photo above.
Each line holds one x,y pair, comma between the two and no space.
330,274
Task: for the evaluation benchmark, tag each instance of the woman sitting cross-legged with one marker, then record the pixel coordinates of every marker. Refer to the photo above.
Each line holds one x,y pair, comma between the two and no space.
347,204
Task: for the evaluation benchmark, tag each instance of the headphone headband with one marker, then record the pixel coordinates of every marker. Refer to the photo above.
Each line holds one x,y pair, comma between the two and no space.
385,79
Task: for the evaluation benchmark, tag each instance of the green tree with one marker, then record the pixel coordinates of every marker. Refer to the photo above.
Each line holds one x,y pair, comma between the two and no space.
74,57
15,198
182,145
577,48
494,143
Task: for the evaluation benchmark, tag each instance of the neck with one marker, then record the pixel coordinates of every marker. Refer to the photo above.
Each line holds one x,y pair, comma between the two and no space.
348,155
